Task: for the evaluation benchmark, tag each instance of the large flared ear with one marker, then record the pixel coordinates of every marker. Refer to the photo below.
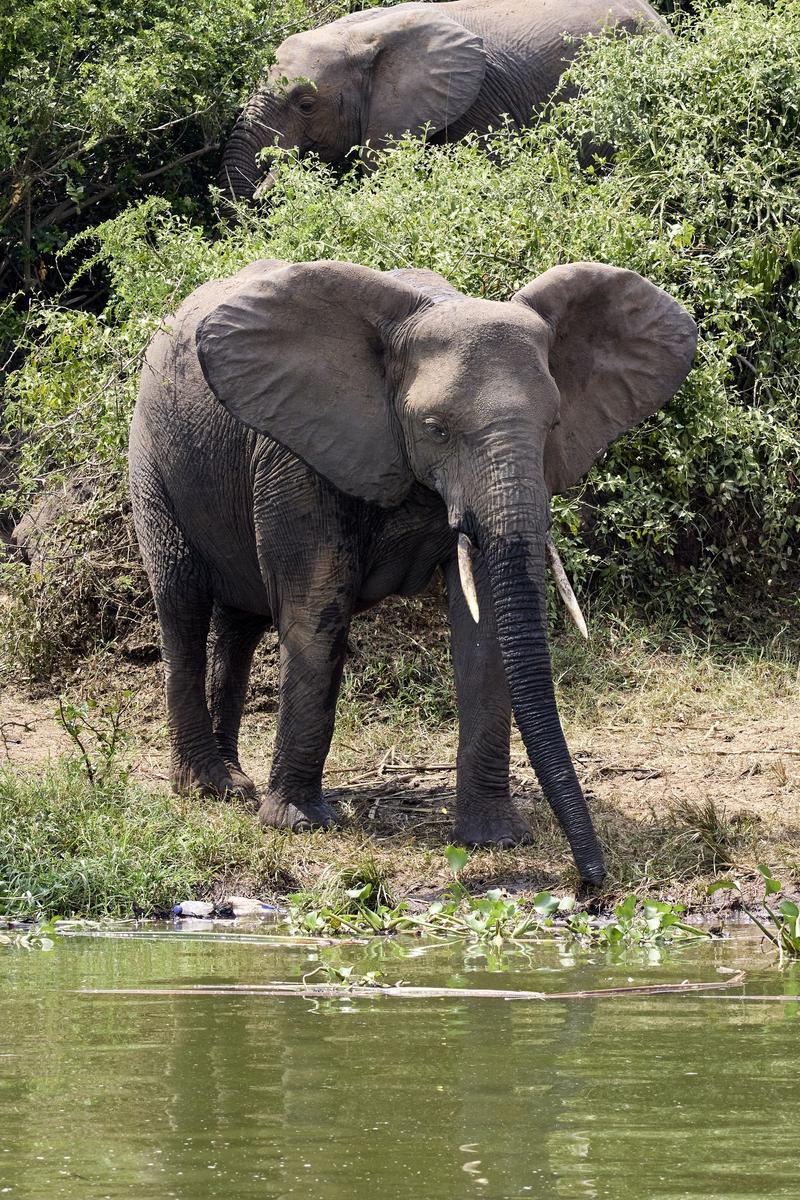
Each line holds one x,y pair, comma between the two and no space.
619,349
423,69
299,353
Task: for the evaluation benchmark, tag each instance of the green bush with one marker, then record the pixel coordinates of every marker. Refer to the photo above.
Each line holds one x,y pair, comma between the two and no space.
102,103
696,512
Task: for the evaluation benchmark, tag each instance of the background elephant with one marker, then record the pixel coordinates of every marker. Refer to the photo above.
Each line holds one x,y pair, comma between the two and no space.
453,67
368,422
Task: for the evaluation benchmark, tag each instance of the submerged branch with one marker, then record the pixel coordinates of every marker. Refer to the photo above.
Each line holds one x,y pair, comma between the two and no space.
328,991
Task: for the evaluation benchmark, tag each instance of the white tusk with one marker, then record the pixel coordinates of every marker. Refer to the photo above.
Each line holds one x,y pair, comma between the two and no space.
565,588
466,576
266,186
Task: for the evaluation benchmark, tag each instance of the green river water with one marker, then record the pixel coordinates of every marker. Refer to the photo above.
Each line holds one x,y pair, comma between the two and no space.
141,1097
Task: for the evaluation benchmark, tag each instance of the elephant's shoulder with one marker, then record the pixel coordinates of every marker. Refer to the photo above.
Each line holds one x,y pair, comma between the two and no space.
176,334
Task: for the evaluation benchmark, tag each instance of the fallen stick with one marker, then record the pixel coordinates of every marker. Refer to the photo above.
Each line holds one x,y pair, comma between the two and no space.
416,769
212,935
754,750
329,991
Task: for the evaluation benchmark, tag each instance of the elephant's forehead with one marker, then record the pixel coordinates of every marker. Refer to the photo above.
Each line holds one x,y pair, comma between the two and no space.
479,326
304,53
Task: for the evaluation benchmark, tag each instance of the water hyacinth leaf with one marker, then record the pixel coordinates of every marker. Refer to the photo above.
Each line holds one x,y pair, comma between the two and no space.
722,885
457,858
360,893
546,903
771,884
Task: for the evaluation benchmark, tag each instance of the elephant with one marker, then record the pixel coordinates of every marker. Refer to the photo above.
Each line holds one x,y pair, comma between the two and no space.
310,438
449,68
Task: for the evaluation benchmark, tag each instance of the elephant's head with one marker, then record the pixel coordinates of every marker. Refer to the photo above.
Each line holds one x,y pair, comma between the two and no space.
362,78
379,381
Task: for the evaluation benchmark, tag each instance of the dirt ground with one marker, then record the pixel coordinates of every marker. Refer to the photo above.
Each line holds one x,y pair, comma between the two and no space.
690,771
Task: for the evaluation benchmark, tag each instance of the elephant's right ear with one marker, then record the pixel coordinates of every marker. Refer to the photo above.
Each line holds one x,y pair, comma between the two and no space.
298,354
425,69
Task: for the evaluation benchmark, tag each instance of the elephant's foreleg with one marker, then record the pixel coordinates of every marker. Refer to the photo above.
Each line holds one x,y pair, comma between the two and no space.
234,638
312,655
485,812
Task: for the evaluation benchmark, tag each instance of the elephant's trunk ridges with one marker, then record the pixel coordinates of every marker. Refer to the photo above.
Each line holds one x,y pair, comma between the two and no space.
515,564
261,125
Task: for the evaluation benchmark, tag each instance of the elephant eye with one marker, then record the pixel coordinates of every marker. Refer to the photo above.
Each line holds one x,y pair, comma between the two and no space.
436,429
306,104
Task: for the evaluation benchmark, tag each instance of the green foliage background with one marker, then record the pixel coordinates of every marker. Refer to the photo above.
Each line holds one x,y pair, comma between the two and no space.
695,514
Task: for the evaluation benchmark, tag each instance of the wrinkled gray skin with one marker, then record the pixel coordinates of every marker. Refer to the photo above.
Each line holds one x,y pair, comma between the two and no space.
454,67
361,421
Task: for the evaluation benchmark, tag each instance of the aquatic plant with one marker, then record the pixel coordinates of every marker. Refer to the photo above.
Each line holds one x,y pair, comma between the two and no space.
40,937
495,916
782,926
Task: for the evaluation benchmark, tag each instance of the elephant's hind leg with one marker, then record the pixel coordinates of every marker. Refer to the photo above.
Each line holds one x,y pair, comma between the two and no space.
181,587
313,651
195,761
234,638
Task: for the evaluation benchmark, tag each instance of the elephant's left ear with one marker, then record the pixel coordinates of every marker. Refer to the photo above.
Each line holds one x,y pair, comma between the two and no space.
619,349
425,69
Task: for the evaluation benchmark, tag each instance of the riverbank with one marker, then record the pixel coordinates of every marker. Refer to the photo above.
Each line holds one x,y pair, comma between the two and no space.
689,756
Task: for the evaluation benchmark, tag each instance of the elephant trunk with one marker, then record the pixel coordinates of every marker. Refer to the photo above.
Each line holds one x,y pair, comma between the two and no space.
514,548
262,124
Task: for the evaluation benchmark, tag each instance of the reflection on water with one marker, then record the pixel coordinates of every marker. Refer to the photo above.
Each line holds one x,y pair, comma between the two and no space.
254,1096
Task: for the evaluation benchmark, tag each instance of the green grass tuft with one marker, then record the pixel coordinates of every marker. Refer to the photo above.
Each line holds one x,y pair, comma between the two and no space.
115,849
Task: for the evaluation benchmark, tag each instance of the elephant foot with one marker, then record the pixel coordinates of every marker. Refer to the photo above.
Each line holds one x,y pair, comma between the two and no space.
300,816
213,779
498,825
242,783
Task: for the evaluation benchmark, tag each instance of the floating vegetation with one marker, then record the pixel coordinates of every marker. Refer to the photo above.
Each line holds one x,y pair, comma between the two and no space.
39,937
345,985
782,926
333,910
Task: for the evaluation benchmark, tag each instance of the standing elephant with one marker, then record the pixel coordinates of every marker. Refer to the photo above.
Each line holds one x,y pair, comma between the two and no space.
369,427
453,68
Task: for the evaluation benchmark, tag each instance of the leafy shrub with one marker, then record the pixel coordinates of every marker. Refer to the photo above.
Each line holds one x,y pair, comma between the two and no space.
696,512
101,103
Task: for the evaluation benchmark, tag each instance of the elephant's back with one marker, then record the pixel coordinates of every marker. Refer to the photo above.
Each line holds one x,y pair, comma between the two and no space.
537,27
190,458
528,44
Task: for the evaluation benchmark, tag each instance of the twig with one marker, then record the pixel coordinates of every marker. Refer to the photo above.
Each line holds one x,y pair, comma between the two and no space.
69,208
26,239
417,768
334,990
387,756
754,750
770,999
643,773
